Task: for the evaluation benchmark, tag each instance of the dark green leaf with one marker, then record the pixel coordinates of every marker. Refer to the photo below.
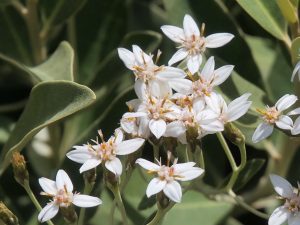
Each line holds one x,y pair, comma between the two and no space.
49,102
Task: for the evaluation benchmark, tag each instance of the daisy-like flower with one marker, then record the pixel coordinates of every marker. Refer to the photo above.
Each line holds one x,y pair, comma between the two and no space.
289,211
195,118
61,192
192,42
296,71
231,112
160,79
168,177
274,116
106,151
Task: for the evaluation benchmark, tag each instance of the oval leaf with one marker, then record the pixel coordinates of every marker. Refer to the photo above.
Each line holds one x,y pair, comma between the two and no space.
48,102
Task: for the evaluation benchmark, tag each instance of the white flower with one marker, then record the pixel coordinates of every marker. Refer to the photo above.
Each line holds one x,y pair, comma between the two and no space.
237,108
296,71
274,116
192,42
92,155
167,177
61,192
209,78
194,117
158,78
289,211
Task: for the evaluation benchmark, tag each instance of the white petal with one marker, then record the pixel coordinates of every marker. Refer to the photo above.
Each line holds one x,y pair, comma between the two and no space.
140,89
183,86
213,126
181,167
48,186
176,34
173,191
178,56
222,74
238,107
217,40
119,136
129,146
79,156
171,73
216,103
48,212
294,219
157,127
208,69
147,164
198,105
263,131
279,216
85,201
193,63
285,102
156,185
160,88
143,130
284,122
63,181
190,27
296,127
190,174
127,57
175,129
141,56
115,166
281,186
296,69
89,164
294,112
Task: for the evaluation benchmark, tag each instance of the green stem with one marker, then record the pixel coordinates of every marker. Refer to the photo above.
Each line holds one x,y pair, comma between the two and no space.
160,214
33,198
32,22
155,151
119,201
248,207
87,190
200,157
227,151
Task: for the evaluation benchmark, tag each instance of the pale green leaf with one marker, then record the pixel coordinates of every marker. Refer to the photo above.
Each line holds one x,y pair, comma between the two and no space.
295,48
266,13
48,102
196,209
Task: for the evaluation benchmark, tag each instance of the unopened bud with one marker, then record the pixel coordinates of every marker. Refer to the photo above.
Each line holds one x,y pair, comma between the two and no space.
19,168
234,134
90,176
69,214
6,216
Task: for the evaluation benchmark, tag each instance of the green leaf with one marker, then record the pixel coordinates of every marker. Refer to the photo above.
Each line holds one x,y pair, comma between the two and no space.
195,208
48,102
59,66
251,168
295,48
288,11
273,64
266,13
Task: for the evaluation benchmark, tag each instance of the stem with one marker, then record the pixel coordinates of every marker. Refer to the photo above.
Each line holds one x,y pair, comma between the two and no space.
155,151
160,214
248,207
118,199
200,157
32,23
33,198
87,189
189,152
227,151
112,212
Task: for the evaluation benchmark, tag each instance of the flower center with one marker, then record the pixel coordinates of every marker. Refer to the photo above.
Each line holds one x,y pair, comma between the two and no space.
63,198
293,204
106,150
202,87
157,108
166,173
147,71
270,115
194,44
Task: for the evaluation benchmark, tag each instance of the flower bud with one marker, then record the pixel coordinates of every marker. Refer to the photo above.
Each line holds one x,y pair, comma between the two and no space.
19,168
234,134
69,214
6,216
90,176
